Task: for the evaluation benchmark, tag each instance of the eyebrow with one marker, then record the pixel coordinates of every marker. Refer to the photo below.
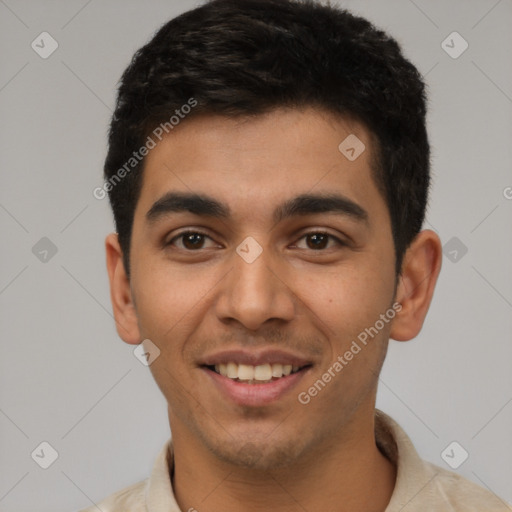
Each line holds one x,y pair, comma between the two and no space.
304,204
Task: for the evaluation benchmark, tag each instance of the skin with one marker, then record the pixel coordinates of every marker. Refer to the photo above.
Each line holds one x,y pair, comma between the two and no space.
284,455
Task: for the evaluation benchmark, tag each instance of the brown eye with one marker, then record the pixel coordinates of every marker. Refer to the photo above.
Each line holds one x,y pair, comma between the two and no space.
318,240
191,240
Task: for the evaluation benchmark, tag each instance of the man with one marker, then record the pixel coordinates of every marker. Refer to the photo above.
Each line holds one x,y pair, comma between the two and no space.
268,170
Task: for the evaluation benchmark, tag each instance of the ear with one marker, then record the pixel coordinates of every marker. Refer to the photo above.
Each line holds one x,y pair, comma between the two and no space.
120,293
420,270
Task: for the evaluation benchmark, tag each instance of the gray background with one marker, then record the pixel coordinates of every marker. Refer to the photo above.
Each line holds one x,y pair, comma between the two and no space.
66,377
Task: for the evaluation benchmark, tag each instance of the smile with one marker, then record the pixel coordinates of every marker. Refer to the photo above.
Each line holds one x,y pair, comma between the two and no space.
254,378
249,374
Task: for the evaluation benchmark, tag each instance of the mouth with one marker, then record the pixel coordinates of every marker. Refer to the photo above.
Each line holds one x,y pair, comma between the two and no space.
255,379
259,374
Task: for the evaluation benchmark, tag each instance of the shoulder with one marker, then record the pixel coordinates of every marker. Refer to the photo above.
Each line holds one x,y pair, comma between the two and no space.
422,485
130,498
460,494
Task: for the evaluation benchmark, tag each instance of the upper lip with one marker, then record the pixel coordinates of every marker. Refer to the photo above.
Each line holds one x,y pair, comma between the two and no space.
254,358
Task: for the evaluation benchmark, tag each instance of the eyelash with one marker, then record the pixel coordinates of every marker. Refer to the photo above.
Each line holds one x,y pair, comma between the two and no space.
197,232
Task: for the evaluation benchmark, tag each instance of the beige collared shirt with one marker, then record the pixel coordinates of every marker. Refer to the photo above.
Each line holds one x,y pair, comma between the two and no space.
420,485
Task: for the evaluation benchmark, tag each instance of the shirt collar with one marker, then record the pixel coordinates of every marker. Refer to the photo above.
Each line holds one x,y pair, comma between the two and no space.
413,474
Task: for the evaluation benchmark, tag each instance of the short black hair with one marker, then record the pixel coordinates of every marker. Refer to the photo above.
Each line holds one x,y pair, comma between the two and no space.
239,58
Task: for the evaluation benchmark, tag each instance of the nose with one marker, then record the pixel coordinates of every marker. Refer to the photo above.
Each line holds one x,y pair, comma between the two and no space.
256,292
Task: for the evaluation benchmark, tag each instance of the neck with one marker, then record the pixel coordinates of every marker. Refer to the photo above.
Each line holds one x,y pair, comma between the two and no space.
346,472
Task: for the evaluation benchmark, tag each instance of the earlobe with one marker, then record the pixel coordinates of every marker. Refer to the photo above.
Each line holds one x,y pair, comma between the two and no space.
420,270
120,292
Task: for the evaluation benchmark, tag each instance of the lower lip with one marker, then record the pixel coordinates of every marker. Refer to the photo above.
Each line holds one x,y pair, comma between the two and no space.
255,395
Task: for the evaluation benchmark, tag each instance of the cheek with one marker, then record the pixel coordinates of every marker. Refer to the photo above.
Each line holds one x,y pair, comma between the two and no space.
167,305
350,304
172,302
160,304
163,298
348,300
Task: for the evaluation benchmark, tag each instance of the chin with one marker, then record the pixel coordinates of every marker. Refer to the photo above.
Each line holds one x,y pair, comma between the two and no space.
261,455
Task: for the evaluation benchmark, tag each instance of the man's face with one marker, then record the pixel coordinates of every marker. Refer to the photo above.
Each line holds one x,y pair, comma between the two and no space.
211,298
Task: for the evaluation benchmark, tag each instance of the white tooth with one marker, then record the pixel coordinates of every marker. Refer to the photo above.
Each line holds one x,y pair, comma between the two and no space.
217,368
295,369
277,370
232,370
245,372
287,369
223,369
263,372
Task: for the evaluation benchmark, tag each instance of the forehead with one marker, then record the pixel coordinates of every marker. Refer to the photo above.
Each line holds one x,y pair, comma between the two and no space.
253,164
